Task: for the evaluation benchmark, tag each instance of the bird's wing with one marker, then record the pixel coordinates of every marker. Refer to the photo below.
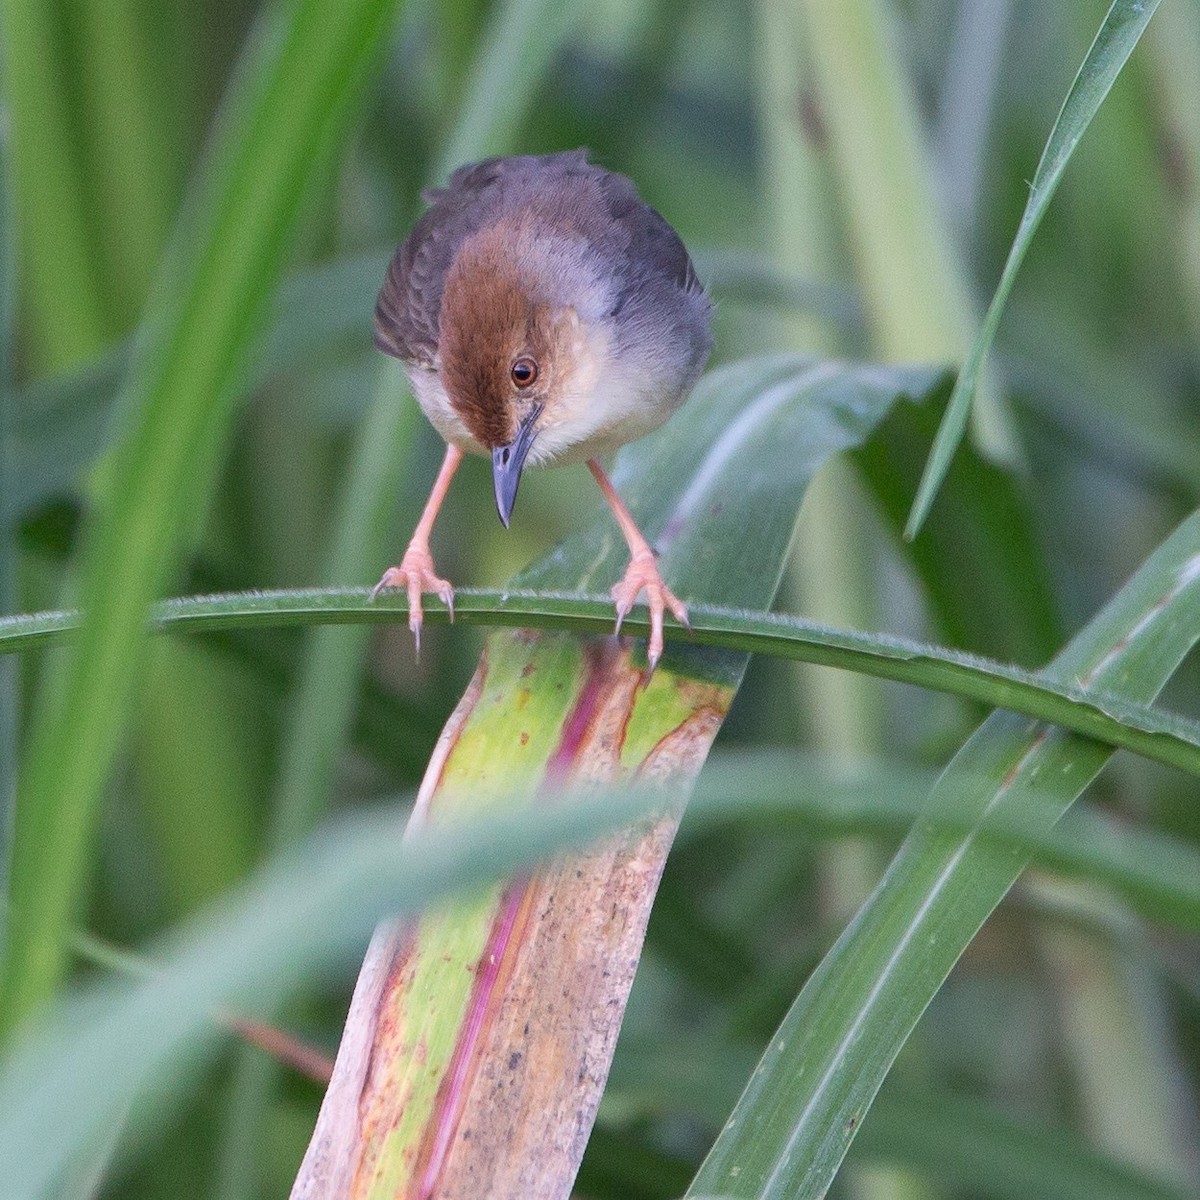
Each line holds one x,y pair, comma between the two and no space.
653,249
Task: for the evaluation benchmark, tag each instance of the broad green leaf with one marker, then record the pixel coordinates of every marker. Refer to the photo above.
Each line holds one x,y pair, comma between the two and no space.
803,1105
1119,33
294,97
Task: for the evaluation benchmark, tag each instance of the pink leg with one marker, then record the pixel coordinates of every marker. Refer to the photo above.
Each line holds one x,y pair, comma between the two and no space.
416,567
642,575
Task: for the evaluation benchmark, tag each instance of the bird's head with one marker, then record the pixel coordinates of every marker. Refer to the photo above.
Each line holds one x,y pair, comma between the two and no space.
510,349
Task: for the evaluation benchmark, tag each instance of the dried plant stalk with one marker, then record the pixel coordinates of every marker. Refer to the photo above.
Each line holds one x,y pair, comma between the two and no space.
479,1038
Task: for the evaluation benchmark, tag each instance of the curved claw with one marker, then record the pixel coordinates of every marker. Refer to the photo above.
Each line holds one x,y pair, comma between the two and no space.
415,572
623,607
642,575
386,580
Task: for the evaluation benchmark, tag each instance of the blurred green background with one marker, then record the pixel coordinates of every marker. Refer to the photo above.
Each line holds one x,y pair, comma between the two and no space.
848,178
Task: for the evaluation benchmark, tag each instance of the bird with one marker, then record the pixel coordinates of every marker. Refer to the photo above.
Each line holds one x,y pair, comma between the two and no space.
545,315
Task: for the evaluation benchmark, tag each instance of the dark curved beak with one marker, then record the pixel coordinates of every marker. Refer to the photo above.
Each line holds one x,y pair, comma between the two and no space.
508,462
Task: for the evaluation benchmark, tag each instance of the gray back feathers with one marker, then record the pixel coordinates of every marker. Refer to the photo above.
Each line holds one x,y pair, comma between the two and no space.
653,284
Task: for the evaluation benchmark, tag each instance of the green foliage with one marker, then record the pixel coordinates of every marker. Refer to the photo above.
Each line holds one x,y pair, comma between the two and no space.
298,84
801,1109
310,910
1064,699
189,403
1119,34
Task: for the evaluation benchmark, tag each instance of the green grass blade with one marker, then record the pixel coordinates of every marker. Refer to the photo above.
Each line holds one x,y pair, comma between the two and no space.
830,797
1118,35
528,32
295,94
131,122
1157,873
329,677
914,290
9,690
799,1113
1051,695
311,910
63,286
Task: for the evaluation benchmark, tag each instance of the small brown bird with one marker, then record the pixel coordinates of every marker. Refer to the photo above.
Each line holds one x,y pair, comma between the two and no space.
545,315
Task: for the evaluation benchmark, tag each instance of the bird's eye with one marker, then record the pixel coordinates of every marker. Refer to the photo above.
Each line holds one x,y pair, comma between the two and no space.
524,371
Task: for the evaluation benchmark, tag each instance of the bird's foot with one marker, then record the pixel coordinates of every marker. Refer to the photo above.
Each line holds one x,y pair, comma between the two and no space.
417,574
642,575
